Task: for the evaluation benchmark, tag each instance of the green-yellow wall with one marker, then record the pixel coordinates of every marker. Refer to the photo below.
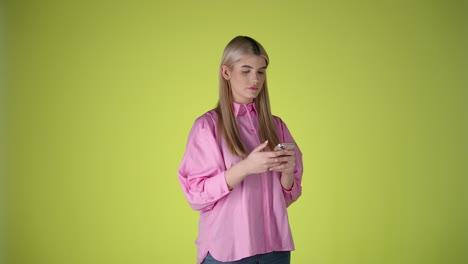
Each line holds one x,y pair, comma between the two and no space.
100,97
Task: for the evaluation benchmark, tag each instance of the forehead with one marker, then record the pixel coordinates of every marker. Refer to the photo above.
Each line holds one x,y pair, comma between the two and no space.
253,61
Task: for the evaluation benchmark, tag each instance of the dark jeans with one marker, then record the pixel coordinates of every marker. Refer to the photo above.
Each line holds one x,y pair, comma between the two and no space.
276,257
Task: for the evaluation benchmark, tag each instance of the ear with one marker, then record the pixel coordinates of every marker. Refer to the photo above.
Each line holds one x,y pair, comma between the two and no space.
225,72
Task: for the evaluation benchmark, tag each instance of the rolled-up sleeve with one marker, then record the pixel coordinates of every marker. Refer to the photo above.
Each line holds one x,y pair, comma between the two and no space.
201,172
293,194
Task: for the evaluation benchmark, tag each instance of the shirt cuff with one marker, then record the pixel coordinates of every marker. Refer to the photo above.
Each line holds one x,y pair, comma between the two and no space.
292,194
217,186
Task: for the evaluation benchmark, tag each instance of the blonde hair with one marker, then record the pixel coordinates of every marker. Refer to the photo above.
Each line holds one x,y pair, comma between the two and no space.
237,48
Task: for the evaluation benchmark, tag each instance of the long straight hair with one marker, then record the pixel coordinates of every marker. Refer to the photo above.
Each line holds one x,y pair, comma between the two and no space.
236,49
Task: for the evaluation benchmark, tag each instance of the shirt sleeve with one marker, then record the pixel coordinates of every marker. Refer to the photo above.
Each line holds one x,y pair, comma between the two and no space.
292,195
201,172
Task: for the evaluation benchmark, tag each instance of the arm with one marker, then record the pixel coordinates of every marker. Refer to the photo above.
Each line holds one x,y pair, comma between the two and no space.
256,162
202,170
291,172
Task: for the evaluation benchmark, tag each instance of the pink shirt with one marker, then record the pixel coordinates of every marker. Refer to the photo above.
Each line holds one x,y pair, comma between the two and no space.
251,218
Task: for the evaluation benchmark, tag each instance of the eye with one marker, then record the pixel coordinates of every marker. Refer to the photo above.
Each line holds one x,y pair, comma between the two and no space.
261,73
245,71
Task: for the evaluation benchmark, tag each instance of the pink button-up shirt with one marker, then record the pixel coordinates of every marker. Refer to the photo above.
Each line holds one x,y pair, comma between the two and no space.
251,218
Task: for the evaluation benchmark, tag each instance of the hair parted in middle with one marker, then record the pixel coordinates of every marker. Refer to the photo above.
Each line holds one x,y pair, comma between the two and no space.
236,49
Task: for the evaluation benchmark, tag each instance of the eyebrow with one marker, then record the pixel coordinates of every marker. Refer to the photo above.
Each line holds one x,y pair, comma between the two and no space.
250,67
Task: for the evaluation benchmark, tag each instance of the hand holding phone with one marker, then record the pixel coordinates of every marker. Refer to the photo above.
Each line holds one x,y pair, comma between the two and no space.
286,157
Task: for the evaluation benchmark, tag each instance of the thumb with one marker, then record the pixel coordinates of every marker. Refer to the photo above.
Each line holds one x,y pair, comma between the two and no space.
261,147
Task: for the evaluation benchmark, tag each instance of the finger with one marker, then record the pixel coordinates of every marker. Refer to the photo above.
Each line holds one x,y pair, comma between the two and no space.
285,159
260,147
272,154
279,167
276,162
282,167
281,161
283,153
273,163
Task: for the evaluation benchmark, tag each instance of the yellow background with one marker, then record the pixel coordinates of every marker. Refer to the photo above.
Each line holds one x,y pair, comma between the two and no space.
99,97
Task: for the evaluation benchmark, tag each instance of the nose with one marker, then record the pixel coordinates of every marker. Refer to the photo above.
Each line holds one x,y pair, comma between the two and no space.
254,82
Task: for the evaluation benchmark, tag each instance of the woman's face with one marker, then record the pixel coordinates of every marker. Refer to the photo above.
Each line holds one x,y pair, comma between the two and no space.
246,77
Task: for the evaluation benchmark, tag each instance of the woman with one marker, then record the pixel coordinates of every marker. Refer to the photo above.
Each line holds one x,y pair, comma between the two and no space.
230,172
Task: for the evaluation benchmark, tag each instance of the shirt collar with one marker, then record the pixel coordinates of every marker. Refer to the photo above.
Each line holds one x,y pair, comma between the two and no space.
242,109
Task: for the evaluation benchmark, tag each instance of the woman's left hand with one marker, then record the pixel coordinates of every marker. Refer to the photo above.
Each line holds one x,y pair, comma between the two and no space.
285,165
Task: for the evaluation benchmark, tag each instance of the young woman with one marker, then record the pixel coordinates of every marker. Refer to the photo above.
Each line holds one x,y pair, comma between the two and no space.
231,173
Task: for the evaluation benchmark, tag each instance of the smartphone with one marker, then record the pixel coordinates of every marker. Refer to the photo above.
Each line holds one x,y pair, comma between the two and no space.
285,146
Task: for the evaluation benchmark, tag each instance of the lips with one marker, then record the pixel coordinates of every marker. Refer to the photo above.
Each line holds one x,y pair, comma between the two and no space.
253,88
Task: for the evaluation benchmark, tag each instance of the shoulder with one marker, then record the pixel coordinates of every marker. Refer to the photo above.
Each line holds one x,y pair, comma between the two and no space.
209,118
207,121
278,121
281,128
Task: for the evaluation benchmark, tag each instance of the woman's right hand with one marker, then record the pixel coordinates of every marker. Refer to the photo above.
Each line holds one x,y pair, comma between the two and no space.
258,161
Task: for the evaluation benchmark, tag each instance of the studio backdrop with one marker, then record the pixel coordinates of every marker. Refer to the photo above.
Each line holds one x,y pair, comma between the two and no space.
98,98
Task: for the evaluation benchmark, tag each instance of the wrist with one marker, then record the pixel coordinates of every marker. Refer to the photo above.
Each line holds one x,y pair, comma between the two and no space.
242,168
287,181
235,175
